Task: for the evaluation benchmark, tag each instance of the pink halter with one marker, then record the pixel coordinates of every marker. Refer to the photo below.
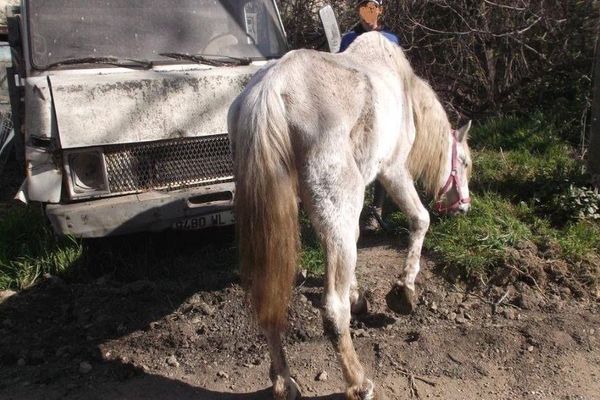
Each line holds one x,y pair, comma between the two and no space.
453,180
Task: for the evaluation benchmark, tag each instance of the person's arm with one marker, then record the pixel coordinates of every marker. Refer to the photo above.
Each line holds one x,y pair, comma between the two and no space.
392,37
346,40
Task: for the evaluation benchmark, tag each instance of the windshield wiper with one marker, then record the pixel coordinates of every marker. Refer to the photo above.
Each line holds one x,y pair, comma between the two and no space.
214,60
119,62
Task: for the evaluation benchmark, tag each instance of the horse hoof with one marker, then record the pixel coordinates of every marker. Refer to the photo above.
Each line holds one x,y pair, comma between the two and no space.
401,299
294,393
289,390
365,392
360,306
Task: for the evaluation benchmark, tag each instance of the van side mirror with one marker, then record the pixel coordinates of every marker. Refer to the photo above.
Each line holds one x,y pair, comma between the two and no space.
332,30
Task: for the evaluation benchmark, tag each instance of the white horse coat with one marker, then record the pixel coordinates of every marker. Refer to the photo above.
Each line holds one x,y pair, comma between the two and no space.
320,127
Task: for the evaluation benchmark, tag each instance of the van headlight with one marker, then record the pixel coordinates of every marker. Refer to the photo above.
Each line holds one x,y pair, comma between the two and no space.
86,173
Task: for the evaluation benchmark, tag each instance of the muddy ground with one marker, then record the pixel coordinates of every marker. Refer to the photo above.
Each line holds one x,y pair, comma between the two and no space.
190,337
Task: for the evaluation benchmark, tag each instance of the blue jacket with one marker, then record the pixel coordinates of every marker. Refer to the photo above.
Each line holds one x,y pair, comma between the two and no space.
359,30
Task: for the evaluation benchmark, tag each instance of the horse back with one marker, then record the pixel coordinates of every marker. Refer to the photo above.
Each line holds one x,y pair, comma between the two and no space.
330,107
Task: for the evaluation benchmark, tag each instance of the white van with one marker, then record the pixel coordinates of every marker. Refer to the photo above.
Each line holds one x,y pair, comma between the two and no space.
125,103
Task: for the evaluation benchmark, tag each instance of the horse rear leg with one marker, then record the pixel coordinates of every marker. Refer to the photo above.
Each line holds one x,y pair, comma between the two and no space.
399,185
284,386
335,224
341,258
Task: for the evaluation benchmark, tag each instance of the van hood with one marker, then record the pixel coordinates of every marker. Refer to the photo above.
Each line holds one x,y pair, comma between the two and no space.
142,106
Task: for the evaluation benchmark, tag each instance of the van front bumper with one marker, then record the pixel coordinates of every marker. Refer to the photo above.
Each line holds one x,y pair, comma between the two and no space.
149,211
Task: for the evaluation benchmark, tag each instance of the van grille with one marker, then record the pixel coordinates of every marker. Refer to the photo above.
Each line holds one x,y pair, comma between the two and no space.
171,164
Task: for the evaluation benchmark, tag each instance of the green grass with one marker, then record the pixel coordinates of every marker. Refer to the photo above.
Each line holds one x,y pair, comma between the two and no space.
473,245
523,160
313,260
494,170
508,133
312,255
579,240
29,249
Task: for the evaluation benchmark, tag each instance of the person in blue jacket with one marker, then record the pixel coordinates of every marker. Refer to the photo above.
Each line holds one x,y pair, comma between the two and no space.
369,14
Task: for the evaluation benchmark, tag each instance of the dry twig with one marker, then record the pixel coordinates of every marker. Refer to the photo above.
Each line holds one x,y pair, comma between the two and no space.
414,393
413,376
528,275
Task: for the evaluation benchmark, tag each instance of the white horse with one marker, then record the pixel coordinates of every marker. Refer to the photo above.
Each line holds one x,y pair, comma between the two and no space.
320,127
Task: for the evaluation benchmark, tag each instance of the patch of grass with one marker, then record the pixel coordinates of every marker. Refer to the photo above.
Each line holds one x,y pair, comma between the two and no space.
397,222
475,244
313,260
579,240
544,179
493,168
522,178
525,160
29,249
534,134
312,255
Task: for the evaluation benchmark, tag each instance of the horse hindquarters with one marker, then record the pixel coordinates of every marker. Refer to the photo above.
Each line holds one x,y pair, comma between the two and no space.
266,216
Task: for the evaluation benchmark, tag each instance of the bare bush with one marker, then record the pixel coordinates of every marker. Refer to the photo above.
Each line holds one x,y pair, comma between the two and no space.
489,56
483,57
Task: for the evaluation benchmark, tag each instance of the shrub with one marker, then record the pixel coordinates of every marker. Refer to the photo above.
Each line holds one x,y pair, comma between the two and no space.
578,203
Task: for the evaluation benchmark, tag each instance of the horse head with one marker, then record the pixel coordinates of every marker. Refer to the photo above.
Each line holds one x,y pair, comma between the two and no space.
453,196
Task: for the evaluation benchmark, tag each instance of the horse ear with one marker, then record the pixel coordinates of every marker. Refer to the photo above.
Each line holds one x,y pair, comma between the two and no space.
463,131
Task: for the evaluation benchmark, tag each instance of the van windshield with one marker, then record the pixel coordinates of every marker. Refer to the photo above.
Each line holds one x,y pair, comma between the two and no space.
144,29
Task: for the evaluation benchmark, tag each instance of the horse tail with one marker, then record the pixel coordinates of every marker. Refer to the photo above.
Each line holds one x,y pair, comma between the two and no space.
266,208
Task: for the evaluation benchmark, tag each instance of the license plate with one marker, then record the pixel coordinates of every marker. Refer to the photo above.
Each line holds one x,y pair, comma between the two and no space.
205,221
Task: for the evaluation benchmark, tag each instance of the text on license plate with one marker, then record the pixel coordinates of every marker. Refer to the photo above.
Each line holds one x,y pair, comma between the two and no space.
205,221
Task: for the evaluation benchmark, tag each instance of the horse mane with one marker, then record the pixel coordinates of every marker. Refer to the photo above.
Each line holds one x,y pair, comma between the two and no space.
428,156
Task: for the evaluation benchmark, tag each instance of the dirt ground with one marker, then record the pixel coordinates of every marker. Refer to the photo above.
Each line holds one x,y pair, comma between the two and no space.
192,338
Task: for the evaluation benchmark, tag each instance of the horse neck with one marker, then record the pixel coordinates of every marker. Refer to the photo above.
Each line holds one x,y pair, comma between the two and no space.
428,160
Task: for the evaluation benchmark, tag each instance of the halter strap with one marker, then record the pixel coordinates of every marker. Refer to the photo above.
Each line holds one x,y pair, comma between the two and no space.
453,180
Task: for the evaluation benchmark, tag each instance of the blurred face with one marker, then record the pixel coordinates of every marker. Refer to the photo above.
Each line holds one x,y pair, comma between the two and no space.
369,13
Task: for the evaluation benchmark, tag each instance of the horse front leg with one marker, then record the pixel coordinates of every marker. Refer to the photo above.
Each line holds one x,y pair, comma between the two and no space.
402,297
359,304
